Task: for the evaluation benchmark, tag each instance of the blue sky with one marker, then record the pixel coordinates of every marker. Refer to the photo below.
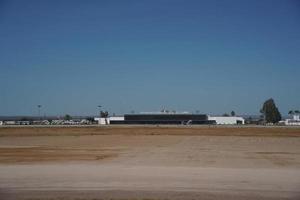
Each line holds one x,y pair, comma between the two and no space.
211,56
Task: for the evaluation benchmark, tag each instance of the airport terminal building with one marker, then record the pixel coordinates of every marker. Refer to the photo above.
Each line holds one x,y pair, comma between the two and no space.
171,119
158,118
163,119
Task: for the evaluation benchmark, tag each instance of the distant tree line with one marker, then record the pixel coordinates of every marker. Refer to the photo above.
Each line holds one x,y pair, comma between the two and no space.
231,114
293,112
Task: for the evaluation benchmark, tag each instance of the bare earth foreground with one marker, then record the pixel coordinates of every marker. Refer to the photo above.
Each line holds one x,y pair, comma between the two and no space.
149,162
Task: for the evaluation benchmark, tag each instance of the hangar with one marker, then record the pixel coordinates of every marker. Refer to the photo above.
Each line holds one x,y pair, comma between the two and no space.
158,118
227,120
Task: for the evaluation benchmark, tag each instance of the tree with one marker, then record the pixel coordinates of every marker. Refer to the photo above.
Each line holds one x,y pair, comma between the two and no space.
249,120
91,119
104,114
291,112
270,112
67,117
294,112
225,115
232,113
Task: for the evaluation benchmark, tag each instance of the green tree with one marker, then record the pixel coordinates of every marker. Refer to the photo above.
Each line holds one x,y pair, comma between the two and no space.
104,114
291,112
91,119
232,113
67,117
270,112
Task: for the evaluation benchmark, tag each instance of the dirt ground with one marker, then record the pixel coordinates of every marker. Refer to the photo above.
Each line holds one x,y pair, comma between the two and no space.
136,162
151,130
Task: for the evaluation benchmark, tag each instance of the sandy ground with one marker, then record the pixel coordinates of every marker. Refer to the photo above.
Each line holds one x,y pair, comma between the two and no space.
149,163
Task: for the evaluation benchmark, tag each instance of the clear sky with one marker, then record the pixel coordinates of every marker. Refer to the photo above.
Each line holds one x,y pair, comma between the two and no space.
145,55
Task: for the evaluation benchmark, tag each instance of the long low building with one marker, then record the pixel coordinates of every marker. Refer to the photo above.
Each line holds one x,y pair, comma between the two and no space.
227,120
163,118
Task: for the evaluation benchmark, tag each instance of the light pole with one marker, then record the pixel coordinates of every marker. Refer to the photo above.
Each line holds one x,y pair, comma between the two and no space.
99,110
39,110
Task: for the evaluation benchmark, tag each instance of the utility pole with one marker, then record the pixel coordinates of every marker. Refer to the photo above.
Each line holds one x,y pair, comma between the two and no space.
99,110
39,110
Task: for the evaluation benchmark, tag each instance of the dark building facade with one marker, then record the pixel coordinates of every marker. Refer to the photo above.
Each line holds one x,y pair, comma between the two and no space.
164,119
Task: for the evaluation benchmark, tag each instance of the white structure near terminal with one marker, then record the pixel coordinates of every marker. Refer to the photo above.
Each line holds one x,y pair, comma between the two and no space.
295,121
227,120
106,121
